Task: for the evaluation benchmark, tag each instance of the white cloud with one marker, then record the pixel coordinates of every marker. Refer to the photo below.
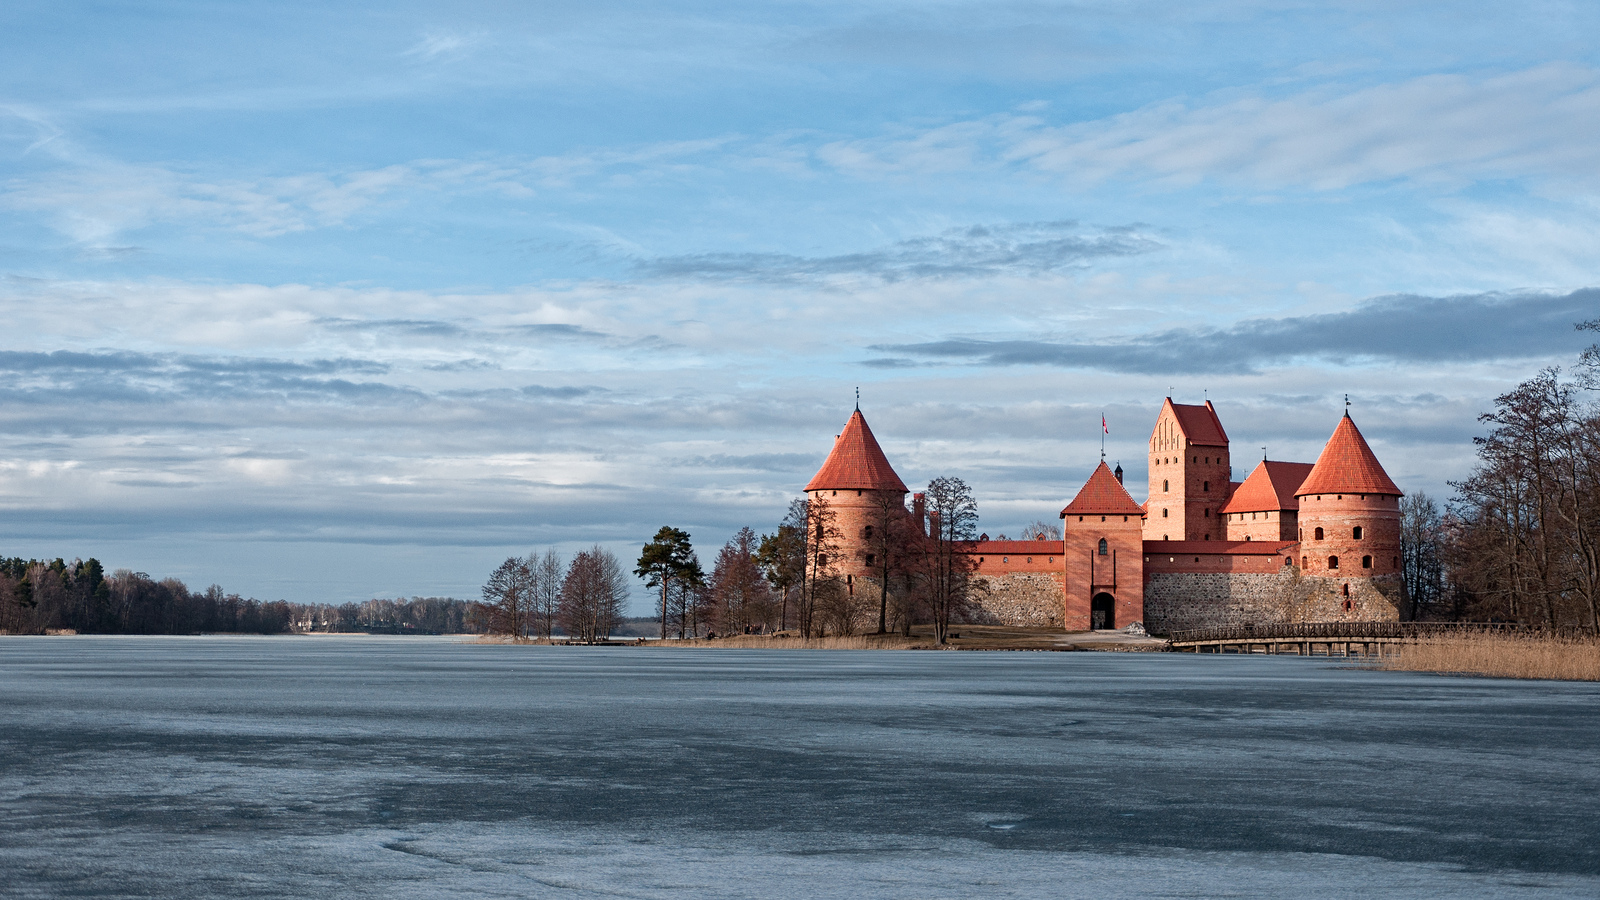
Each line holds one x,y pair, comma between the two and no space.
1447,128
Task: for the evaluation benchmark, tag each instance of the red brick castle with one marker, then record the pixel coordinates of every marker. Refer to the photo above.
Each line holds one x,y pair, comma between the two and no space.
1293,542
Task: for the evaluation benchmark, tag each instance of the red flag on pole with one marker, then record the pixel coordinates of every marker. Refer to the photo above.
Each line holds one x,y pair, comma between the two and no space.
1103,427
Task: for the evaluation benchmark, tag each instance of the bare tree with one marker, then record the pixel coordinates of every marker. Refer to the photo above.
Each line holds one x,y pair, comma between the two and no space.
1040,530
741,597
943,566
782,557
1421,566
822,548
507,595
546,574
889,538
593,595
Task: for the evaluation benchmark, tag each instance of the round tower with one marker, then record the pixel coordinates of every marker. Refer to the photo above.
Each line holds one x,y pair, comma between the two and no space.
1349,530
862,491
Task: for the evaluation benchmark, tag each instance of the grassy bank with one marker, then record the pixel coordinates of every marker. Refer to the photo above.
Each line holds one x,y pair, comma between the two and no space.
1502,656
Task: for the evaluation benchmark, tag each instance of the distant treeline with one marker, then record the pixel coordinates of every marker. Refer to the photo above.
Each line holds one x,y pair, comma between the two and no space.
37,596
419,615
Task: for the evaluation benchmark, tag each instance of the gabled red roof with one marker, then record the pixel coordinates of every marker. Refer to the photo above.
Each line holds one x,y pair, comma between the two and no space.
1199,423
856,463
1103,495
1270,487
1348,466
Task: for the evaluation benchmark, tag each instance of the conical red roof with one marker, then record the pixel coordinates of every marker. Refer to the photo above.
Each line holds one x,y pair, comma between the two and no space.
856,463
1348,466
1270,487
1103,495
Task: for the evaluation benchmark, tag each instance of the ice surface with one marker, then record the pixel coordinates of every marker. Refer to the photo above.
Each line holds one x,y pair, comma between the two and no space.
379,767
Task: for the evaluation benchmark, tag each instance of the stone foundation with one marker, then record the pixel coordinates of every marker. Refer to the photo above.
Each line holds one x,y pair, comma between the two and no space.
1181,601
1017,599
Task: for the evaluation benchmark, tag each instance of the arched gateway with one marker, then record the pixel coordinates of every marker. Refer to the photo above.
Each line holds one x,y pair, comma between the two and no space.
1102,612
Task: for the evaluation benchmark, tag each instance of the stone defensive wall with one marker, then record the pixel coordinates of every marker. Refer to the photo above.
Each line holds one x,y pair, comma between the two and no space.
1182,601
1026,599
1017,583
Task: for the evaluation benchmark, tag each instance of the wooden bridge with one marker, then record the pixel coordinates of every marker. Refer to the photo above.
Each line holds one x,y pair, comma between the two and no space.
1330,638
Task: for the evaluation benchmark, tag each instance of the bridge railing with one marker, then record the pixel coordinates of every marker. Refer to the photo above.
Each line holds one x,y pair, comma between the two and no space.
1343,631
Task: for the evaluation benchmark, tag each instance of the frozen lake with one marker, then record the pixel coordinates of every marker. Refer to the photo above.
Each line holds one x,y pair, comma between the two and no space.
404,767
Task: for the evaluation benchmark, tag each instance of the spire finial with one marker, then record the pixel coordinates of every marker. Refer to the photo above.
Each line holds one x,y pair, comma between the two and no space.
1263,454
858,399
1347,406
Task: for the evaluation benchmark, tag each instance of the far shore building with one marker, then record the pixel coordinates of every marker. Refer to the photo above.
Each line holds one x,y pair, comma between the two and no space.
1293,542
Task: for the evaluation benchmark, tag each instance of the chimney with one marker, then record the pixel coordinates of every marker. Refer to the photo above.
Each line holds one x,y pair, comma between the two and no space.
1118,472
919,512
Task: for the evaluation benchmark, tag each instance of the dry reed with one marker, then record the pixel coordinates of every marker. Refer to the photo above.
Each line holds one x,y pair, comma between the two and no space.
782,642
1502,656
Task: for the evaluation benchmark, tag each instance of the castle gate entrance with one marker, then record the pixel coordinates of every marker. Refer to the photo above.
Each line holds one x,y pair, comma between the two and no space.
1102,611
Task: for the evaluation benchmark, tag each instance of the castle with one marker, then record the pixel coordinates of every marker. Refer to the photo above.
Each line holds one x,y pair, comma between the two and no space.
1293,542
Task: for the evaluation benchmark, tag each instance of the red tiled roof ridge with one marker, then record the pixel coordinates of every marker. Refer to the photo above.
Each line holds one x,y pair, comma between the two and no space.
1271,486
1348,466
856,462
1199,424
1103,494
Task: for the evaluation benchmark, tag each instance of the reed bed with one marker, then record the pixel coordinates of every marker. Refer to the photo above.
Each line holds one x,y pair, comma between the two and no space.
783,642
1502,656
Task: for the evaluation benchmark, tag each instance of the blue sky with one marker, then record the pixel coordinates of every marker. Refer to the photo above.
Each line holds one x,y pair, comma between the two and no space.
327,301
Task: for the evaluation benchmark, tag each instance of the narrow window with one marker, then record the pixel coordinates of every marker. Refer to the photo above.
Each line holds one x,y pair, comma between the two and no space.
1205,485
873,557
1165,485
1103,547
1366,562
1356,532
1247,537
1348,605
866,532
1208,513
1318,534
1347,590
1163,514
1333,562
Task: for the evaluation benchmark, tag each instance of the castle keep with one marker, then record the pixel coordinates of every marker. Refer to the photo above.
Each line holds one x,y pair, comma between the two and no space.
1293,542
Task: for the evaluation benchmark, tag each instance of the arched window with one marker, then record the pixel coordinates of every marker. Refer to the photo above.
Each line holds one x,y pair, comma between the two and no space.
1366,562
1356,532
1317,534
1103,551
1163,514
1164,486
1333,562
